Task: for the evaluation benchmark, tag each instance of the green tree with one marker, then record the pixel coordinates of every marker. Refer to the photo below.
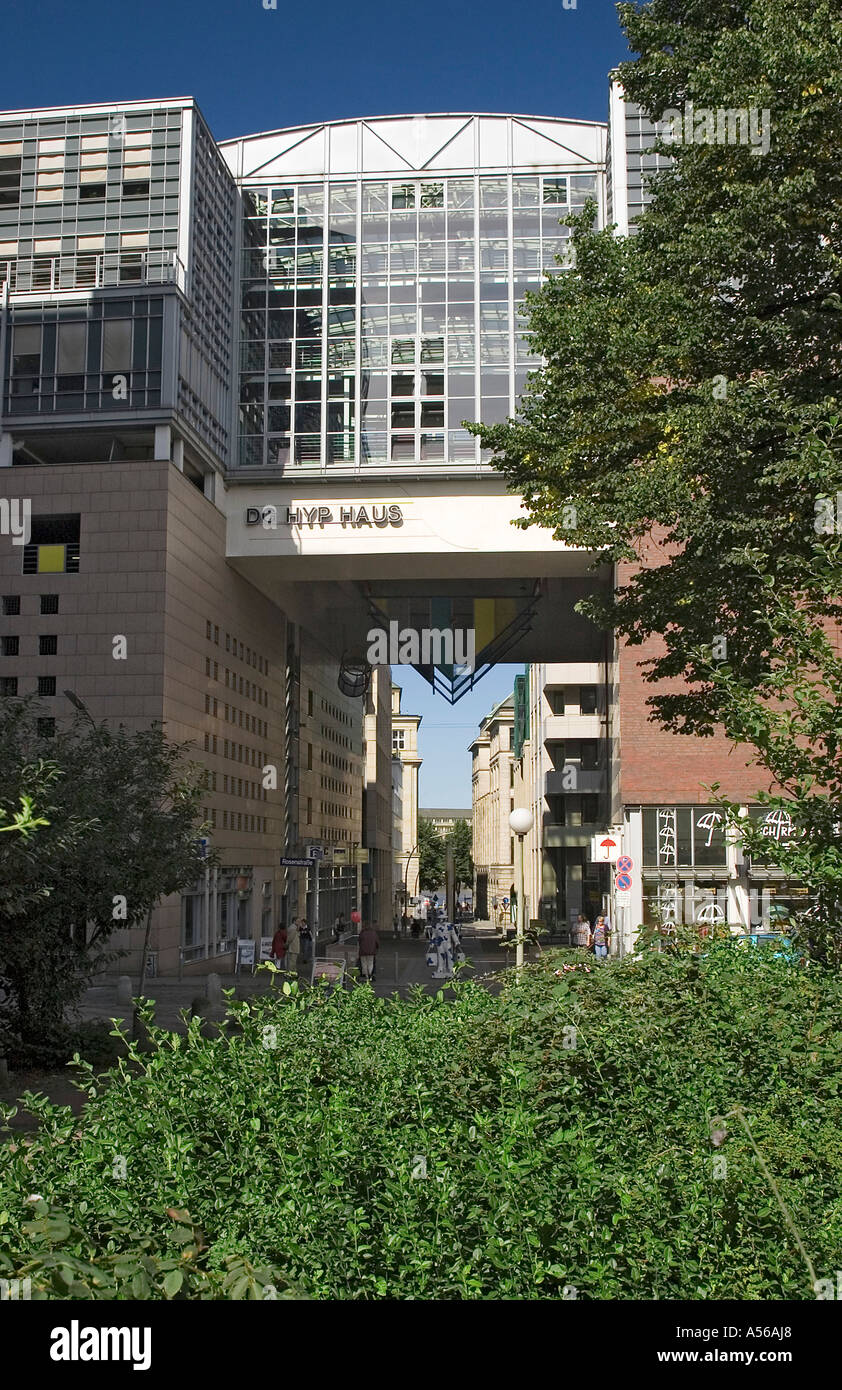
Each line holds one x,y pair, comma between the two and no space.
461,838
689,414
430,855
119,826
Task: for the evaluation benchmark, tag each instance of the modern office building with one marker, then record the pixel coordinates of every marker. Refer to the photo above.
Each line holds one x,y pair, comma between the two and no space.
235,381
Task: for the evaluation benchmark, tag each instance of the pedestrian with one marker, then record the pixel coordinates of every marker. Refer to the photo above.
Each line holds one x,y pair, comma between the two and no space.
293,946
581,933
339,927
444,945
306,936
279,946
369,946
600,938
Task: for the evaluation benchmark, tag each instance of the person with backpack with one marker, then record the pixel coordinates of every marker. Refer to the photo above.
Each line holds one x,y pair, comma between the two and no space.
600,938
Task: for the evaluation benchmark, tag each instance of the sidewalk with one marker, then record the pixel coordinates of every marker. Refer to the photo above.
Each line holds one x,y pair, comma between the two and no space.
401,964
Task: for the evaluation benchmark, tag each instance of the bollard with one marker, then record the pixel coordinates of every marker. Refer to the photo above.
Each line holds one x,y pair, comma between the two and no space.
124,990
215,988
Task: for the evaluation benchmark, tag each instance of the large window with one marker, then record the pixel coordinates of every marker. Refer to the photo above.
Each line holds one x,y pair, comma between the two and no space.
53,546
683,836
409,292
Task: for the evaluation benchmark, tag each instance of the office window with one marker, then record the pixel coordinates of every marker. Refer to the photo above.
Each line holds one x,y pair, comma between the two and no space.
54,545
116,345
46,728
93,172
49,176
556,701
587,699
46,685
26,358
48,645
49,603
555,192
9,646
71,349
589,754
310,703
8,685
10,164
11,605
309,757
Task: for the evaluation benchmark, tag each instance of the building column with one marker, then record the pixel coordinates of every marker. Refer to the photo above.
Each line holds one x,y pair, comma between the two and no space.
178,454
6,443
739,902
633,912
163,442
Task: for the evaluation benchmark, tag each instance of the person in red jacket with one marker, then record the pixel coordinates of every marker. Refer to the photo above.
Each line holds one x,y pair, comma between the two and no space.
279,946
369,946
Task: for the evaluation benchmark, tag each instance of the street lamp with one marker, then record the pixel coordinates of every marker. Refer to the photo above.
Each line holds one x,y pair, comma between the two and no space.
406,878
521,822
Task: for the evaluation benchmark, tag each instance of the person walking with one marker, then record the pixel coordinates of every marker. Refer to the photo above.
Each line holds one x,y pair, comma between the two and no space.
369,946
581,933
279,946
339,927
600,939
306,936
293,946
444,944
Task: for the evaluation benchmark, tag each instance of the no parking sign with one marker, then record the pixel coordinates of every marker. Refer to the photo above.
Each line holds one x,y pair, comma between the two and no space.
623,882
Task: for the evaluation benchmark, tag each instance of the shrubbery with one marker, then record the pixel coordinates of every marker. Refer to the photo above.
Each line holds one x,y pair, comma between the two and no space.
556,1137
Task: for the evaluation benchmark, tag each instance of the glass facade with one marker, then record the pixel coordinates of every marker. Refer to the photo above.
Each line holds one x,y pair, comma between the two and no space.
377,315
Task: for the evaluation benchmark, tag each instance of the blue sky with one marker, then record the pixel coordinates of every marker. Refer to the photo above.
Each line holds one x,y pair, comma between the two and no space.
253,69
446,731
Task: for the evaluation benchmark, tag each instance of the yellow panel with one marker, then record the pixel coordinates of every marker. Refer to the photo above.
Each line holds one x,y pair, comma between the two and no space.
51,559
483,622
505,612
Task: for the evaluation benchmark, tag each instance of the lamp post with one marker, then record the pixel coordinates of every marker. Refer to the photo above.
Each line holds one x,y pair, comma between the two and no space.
406,879
521,822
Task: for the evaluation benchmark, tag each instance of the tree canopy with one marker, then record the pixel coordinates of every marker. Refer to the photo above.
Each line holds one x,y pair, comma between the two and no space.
688,407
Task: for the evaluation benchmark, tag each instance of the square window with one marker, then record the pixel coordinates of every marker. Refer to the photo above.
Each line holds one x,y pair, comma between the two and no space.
587,699
46,685
48,645
555,192
9,646
49,603
11,605
8,685
403,196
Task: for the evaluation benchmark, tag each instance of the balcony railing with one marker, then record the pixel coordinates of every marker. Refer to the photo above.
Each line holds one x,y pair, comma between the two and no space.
572,779
91,270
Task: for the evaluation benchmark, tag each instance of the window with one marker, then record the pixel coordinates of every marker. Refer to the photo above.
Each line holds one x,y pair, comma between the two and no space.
54,545
49,603
590,754
309,757
8,685
587,699
71,349
556,700
46,728
10,162
432,195
116,345
9,646
11,605
46,685
403,196
49,176
310,703
309,810
398,740
48,645
26,358
93,172
555,191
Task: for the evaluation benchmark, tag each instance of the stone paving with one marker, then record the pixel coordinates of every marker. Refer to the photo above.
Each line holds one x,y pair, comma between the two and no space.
401,964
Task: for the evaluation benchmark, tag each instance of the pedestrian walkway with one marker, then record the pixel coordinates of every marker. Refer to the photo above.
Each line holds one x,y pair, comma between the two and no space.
401,965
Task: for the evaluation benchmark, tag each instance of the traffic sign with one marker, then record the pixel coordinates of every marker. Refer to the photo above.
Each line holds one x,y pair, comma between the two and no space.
340,855
623,882
315,852
625,864
299,863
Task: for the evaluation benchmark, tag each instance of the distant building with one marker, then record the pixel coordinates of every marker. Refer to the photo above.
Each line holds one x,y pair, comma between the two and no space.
491,786
405,747
444,820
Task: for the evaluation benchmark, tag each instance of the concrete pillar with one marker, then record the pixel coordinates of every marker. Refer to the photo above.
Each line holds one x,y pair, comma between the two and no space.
209,486
5,450
163,442
178,454
125,990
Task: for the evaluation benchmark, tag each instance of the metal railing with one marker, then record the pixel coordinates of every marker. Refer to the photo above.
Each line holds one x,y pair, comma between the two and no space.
91,270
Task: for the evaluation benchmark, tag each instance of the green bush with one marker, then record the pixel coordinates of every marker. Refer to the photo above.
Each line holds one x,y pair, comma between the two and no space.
562,1139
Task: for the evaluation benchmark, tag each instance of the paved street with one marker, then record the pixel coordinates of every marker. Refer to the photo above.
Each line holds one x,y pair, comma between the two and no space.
400,965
